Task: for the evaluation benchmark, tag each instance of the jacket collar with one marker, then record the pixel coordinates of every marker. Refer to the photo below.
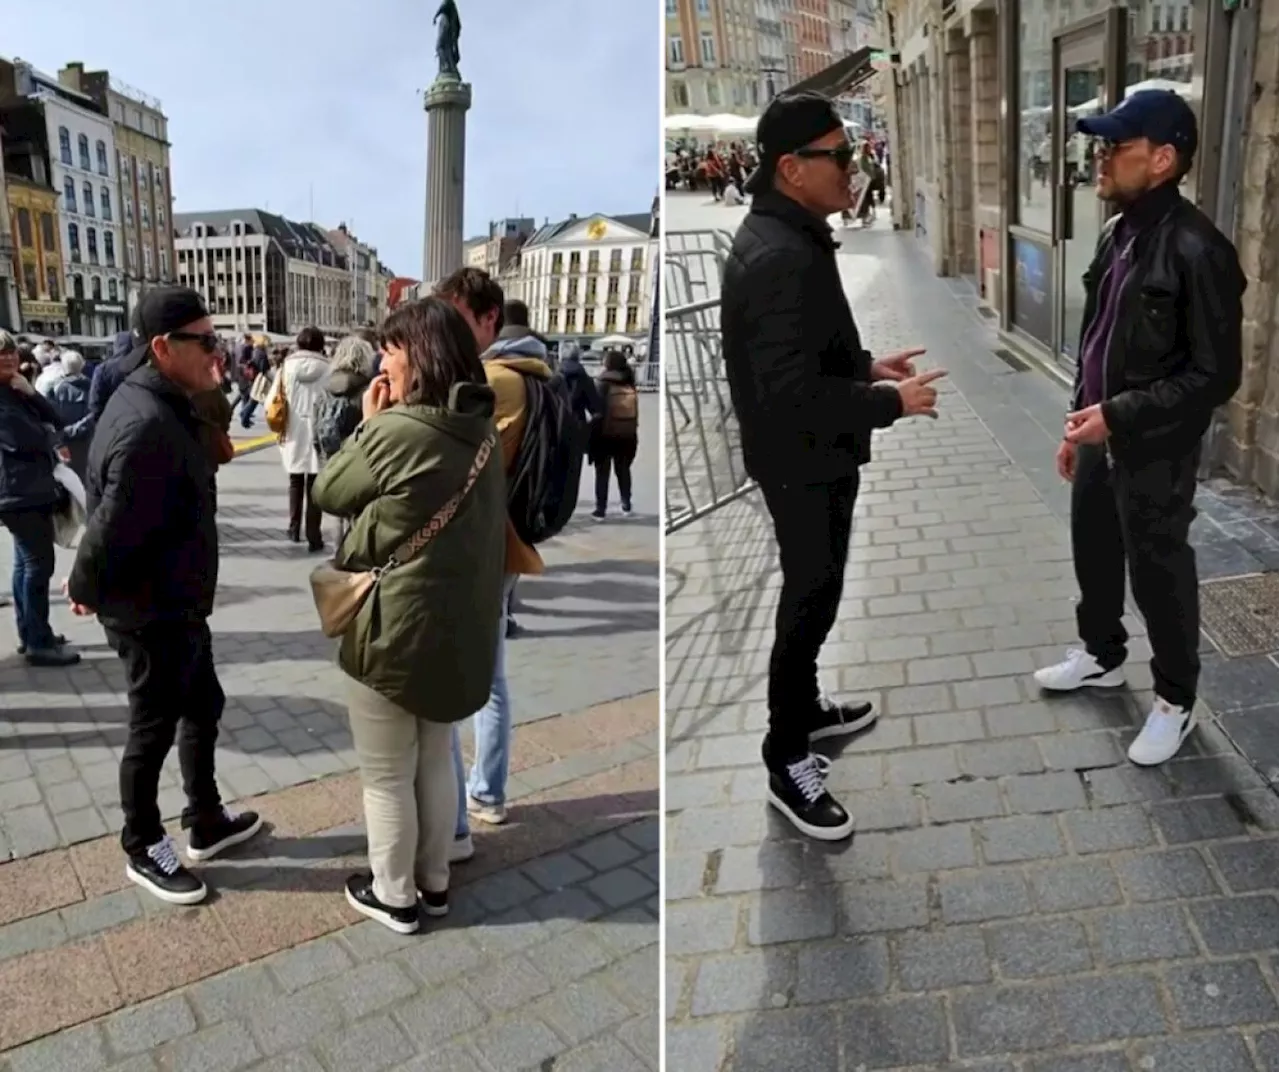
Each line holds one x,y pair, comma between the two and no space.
150,378
1152,207
781,207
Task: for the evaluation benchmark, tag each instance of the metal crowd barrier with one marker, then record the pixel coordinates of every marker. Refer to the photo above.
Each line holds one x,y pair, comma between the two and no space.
704,469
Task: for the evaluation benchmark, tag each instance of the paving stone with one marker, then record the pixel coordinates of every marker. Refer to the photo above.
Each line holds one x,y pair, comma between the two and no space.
1127,784
920,765
557,870
1080,751
516,983
775,864
1109,1007
1247,865
701,927
941,960
517,1042
310,963
787,1038
962,801
1021,837
436,1016
32,934
300,1061
370,987
371,1045
148,1026
292,1021
994,1021
695,1046
1160,876
759,979
606,1054
1053,791
1094,1061
997,759
1182,821
891,1034
1221,1053
842,970
937,848
981,897
791,915
872,907
620,887
1219,995
236,993
81,1049
1236,924
1265,1046
222,1048
884,809
1145,933
1041,948
1108,829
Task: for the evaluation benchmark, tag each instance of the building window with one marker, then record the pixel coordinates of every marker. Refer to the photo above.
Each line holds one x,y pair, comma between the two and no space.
24,228
64,145
109,248
557,263
707,43
637,259
48,237
160,218
159,182
130,256
128,209
31,282
73,240
164,263
82,141
143,185
88,199
106,203
113,290
713,95
675,50
69,194
588,320
704,7
611,319
52,283
103,167
95,288
77,285
633,318
146,261
593,262
571,320
615,260
146,214
91,243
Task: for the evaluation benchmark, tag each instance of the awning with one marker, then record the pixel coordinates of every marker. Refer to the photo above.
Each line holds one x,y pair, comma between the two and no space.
847,73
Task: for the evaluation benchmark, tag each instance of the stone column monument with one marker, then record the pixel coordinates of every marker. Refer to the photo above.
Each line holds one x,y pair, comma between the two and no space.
446,102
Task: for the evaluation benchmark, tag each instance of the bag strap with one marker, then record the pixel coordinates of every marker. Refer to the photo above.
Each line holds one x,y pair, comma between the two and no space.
415,543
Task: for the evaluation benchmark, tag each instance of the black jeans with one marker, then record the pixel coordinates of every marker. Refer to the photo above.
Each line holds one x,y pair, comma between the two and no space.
617,454
33,564
812,523
1138,516
300,487
173,691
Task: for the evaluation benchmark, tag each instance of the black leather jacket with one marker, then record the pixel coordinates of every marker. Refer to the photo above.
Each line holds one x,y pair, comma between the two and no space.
1174,353
799,376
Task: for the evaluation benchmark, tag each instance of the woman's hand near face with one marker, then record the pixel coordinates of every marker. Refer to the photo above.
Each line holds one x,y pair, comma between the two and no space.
377,397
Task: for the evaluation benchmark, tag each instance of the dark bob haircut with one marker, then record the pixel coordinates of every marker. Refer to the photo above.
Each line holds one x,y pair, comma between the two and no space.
441,349
311,340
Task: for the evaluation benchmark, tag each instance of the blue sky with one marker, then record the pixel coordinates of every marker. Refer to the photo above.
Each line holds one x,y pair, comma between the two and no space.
282,103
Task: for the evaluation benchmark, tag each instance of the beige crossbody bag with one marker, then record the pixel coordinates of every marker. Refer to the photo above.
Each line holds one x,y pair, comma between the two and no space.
339,594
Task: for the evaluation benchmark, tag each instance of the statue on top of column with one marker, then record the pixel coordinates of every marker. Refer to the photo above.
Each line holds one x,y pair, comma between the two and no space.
447,35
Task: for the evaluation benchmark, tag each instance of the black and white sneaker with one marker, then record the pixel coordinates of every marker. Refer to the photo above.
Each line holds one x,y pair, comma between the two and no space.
1079,670
435,904
160,872
799,791
360,896
839,720
206,840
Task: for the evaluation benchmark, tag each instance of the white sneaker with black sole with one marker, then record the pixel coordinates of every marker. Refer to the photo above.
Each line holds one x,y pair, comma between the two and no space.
1079,670
840,720
1163,734
799,791
160,872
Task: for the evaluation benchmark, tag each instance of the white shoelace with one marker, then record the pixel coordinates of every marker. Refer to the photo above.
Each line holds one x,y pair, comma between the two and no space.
165,855
810,775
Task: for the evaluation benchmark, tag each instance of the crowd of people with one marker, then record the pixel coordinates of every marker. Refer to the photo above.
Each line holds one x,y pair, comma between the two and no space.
417,441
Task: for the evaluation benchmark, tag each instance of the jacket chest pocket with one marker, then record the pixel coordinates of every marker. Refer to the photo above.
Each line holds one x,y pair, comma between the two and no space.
1153,331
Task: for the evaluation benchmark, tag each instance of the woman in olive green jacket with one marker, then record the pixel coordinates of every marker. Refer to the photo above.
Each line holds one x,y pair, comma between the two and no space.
420,654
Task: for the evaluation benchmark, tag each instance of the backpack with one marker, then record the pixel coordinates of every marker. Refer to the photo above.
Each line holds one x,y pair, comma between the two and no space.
621,412
335,418
542,487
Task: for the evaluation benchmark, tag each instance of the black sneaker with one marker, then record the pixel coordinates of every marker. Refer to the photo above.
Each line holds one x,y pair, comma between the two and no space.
206,840
159,871
838,720
360,896
58,641
435,904
799,791
626,509
55,656
597,515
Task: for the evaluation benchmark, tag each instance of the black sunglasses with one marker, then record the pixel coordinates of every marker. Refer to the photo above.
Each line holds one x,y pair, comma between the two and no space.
207,340
842,154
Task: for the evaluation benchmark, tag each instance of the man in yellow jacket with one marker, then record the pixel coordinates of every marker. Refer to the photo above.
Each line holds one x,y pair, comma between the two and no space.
510,352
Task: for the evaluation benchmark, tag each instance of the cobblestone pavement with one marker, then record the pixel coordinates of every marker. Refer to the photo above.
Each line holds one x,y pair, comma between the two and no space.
590,635
1017,898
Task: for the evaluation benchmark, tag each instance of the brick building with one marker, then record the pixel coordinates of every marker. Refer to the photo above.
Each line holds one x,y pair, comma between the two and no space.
991,178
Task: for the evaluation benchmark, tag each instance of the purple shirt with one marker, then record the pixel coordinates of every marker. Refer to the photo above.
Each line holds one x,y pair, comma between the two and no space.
1097,339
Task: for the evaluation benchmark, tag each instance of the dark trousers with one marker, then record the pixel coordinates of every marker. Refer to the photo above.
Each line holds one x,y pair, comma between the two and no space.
247,406
812,523
1138,516
173,691
33,563
300,488
615,454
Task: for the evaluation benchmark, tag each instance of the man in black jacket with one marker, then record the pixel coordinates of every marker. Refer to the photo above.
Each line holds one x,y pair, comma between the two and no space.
806,397
1159,350
147,565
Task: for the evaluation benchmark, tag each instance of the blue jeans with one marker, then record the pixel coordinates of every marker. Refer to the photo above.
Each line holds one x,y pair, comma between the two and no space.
33,564
492,727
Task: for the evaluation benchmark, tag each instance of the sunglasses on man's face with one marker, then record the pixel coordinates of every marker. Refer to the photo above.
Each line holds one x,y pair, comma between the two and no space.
842,155
208,341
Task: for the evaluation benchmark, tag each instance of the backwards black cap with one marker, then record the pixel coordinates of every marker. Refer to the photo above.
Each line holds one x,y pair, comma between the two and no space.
792,121
160,311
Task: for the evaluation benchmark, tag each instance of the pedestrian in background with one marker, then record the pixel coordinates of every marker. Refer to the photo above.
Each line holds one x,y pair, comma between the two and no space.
420,655
341,410
300,382
28,496
147,566
806,395
1160,350
70,399
583,393
615,435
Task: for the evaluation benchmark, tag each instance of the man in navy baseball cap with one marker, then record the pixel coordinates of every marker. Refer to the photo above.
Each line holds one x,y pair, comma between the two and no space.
1148,139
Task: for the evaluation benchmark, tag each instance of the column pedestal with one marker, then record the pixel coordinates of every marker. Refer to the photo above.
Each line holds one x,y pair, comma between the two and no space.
446,103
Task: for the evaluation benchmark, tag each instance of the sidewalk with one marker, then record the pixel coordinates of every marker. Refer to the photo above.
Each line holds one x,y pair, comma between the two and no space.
550,949
1018,898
